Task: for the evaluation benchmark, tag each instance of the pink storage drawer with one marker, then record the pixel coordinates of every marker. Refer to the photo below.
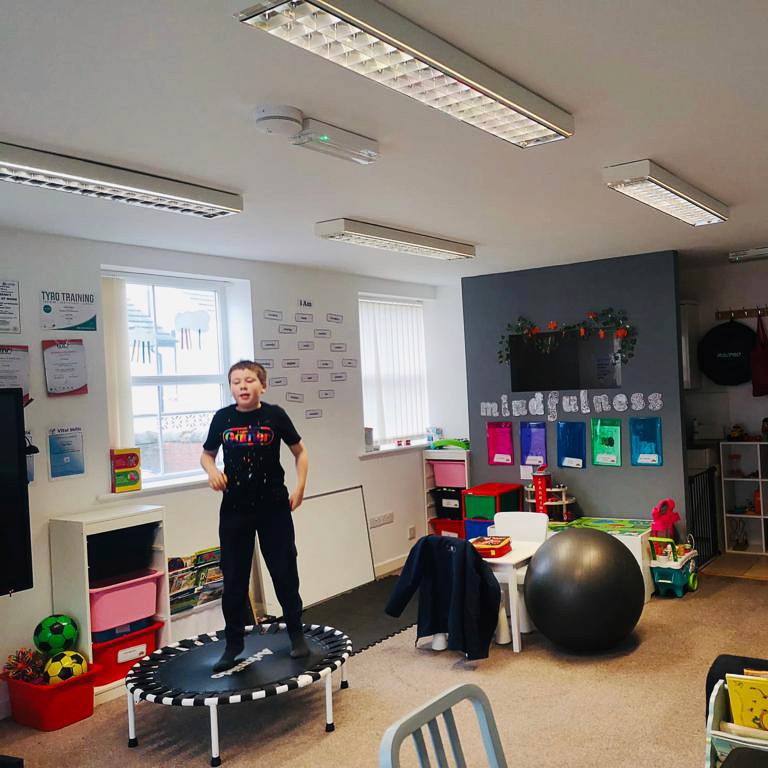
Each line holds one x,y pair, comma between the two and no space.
115,602
450,473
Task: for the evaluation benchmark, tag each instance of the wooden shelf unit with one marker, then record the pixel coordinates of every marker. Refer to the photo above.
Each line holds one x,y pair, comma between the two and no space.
69,570
744,471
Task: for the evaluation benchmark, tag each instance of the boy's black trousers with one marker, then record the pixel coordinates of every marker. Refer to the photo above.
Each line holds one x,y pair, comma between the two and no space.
239,523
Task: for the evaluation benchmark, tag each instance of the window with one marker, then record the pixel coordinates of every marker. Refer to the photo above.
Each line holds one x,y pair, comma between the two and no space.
171,336
393,369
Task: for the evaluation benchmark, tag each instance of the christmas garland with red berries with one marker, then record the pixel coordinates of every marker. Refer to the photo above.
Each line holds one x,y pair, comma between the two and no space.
605,323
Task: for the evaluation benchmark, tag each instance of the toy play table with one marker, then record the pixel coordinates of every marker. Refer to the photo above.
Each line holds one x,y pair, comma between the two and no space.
632,533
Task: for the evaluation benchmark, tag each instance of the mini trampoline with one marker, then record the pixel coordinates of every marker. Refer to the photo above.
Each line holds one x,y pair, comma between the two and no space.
181,675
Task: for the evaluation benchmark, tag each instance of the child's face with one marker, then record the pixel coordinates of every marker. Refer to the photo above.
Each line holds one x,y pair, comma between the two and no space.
246,388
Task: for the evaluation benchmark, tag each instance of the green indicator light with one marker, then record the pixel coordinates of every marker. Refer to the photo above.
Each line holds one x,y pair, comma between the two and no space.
324,137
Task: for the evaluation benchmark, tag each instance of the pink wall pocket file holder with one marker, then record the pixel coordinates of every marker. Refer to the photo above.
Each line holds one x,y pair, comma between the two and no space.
500,446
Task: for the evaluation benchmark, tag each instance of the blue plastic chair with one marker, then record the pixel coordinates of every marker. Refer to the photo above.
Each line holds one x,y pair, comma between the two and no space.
411,725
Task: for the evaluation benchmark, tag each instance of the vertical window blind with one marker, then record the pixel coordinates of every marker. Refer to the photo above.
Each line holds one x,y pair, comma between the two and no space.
393,369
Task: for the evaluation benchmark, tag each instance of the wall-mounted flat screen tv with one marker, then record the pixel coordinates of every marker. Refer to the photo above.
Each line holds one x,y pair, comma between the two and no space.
561,362
15,545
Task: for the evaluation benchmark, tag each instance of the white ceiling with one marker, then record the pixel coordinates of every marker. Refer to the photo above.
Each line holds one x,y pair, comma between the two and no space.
168,87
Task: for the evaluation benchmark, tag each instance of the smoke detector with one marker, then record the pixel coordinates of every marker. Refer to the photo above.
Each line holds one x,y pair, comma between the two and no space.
278,119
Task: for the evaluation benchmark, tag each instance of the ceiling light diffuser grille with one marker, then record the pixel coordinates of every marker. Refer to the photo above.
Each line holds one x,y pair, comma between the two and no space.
30,167
391,50
388,239
651,184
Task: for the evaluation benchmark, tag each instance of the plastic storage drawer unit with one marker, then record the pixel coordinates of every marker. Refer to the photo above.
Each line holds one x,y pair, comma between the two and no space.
450,473
447,502
115,657
484,501
444,527
475,528
120,601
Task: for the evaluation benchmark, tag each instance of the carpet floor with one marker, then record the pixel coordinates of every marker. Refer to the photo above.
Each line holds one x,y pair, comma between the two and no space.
640,705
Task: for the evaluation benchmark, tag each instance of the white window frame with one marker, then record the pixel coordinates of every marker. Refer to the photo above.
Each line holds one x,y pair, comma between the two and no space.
217,287
389,441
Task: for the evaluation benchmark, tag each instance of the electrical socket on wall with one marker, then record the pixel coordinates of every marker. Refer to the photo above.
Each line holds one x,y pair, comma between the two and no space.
411,532
385,518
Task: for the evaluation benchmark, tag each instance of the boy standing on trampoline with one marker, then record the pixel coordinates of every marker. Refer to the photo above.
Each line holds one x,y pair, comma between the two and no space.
255,501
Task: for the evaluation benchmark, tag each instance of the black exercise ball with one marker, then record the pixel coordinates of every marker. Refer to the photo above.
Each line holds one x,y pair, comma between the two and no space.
584,590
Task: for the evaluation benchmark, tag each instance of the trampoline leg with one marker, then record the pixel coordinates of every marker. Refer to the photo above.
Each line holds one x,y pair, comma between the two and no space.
215,759
132,740
329,726
344,681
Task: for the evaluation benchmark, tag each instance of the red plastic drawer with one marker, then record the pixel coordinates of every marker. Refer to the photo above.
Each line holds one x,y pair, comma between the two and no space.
115,657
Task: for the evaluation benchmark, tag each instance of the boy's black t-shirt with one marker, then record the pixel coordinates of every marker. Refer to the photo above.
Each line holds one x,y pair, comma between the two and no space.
251,443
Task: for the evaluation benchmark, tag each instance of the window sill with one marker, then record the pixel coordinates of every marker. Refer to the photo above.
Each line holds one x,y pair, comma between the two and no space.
391,451
152,489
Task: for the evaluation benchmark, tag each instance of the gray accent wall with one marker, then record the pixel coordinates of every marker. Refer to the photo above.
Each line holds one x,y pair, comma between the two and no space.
645,286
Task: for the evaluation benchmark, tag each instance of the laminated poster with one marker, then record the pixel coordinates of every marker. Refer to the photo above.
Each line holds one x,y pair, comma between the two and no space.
606,442
67,310
65,371
533,443
645,442
571,444
500,448
10,307
14,368
66,455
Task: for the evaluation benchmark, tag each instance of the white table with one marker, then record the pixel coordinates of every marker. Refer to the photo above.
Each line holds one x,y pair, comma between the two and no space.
505,570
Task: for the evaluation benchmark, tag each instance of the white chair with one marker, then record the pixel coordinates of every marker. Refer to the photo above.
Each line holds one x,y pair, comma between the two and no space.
427,715
521,526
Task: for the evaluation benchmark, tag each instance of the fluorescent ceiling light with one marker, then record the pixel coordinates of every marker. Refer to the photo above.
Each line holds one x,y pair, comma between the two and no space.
752,254
388,239
330,140
32,167
367,38
651,184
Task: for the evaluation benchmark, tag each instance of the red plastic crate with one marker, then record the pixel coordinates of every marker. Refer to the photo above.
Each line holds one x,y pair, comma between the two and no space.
445,527
116,657
50,707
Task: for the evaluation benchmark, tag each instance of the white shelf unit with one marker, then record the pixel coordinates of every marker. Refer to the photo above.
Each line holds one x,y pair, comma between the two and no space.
743,472
69,570
440,454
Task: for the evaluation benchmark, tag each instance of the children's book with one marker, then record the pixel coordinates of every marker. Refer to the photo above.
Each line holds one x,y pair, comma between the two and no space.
749,700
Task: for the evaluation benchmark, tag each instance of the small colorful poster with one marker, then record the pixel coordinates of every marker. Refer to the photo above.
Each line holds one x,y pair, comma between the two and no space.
10,307
65,371
66,454
14,368
67,311
606,442
126,469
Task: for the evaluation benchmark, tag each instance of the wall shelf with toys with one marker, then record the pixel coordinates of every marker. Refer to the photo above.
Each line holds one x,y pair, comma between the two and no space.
744,481
108,572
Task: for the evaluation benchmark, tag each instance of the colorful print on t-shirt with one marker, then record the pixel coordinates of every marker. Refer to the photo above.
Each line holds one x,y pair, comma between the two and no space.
248,436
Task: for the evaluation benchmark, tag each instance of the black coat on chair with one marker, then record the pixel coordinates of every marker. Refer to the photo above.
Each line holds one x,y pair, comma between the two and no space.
458,593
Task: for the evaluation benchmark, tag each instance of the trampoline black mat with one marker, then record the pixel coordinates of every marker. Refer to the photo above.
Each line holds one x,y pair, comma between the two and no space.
182,674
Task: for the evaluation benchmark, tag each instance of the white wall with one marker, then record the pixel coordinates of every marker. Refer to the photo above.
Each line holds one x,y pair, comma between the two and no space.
334,442
724,287
446,364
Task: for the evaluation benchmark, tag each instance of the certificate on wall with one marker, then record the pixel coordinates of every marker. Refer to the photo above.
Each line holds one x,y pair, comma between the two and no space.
65,371
14,368
66,454
10,307
67,310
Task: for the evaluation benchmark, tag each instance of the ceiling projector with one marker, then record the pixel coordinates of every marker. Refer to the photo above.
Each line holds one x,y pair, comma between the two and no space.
314,134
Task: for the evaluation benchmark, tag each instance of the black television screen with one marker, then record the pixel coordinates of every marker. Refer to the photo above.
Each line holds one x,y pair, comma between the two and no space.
15,545
560,362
